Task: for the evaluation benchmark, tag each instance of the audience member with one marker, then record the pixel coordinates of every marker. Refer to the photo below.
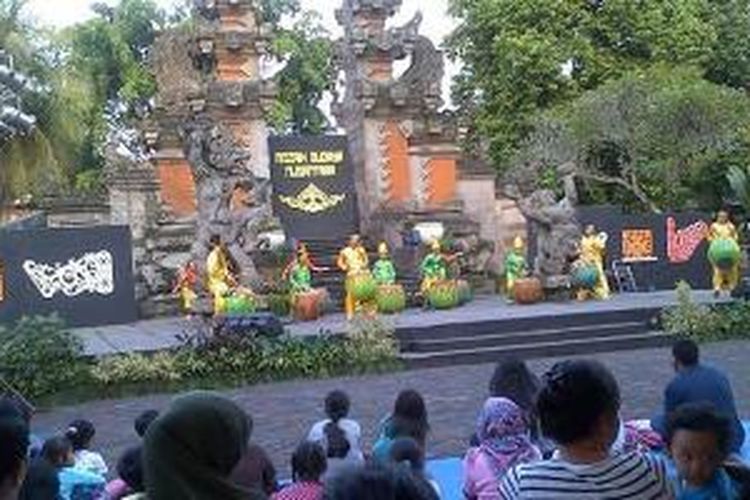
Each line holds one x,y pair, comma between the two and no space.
504,442
191,450
81,433
143,422
41,481
377,482
406,453
578,407
338,435
17,407
698,439
409,419
698,383
255,471
129,484
14,446
75,483
308,466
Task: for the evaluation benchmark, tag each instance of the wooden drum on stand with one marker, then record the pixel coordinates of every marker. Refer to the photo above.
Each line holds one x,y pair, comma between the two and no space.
528,291
307,305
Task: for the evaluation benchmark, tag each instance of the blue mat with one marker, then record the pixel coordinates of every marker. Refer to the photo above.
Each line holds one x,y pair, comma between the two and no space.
448,472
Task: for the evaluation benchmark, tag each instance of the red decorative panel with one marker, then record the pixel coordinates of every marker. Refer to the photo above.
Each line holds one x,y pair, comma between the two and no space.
637,244
442,177
395,175
177,186
682,243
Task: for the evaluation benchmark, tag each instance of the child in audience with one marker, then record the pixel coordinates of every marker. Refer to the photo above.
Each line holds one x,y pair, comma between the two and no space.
129,484
699,440
80,433
578,407
338,435
75,483
144,421
405,452
14,445
308,466
504,442
409,419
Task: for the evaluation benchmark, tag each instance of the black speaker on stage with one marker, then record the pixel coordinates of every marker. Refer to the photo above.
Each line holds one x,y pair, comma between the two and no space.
264,324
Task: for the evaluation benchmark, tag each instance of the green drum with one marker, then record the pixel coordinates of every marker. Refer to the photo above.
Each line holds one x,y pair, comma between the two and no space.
391,299
443,295
724,253
465,293
585,275
363,287
240,305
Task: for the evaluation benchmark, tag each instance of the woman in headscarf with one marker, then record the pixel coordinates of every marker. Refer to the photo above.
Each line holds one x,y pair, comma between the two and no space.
189,452
504,441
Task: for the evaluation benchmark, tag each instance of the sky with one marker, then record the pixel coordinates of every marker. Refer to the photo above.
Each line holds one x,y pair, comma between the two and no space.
436,24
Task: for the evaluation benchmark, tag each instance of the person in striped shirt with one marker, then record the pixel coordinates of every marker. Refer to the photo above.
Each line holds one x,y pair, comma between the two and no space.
578,408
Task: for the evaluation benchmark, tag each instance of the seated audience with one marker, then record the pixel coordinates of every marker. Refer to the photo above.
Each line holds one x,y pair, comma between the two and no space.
14,446
191,450
513,380
41,482
504,442
376,482
143,422
578,407
406,453
409,419
11,406
129,484
338,435
255,471
698,439
75,483
308,466
81,433
698,383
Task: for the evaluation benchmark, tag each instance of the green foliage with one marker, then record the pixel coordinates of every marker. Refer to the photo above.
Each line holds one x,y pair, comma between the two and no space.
739,183
526,56
38,356
704,323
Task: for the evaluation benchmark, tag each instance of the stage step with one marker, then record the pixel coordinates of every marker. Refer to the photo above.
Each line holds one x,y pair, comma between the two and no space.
548,348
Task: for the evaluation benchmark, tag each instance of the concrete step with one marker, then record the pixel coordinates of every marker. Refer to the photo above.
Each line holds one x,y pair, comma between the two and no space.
550,348
500,339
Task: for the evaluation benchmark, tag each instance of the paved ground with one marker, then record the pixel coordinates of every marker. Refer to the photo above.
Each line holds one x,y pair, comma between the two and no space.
153,335
283,412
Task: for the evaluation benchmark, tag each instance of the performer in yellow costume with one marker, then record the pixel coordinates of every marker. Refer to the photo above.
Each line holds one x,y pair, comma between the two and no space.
725,279
593,250
353,260
220,279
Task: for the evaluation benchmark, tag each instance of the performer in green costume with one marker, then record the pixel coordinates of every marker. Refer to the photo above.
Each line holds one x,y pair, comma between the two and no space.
434,268
299,271
384,271
515,267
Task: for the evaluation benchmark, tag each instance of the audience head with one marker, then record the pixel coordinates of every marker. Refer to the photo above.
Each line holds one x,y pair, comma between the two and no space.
80,433
337,405
15,408
308,462
503,434
191,449
698,439
374,482
408,452
144,421
579,403
513,380
337,408
58,452
130,468
14,445
410,416
686,354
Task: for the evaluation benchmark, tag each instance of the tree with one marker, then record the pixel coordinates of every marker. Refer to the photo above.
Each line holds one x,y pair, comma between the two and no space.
525,56
663,138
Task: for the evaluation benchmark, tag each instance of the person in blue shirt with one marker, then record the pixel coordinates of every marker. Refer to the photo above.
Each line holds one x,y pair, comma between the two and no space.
74,483
698,383
698,441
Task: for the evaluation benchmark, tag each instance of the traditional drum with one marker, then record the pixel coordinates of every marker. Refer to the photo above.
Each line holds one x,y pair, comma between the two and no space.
528,291
443,295
391,299
465,294
585,275
724,253
307,305
363,287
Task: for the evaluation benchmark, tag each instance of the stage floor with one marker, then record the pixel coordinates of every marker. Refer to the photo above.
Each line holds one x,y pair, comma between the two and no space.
159,334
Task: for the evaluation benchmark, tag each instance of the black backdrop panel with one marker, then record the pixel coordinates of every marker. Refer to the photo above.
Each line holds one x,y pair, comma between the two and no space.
661,274
85,275
313,183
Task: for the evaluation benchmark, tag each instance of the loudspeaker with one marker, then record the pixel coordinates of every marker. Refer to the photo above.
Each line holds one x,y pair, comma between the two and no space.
264,324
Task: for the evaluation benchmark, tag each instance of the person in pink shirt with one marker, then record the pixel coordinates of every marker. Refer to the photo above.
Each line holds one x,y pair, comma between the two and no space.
504,441
308,466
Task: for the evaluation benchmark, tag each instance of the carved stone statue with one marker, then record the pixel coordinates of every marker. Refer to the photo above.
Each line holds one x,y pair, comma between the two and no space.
231,202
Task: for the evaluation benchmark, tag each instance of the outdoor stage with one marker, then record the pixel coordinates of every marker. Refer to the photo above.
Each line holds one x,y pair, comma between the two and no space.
479,331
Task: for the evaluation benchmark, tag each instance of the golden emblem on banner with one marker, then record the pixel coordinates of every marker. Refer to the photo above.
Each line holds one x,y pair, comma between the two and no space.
312,200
